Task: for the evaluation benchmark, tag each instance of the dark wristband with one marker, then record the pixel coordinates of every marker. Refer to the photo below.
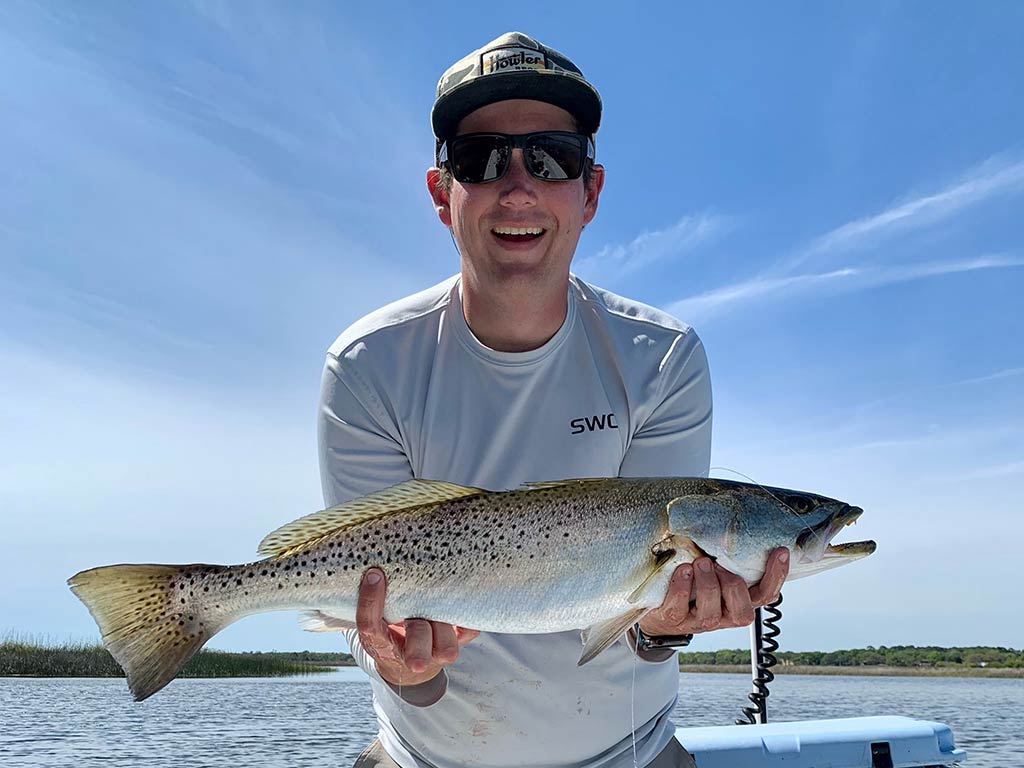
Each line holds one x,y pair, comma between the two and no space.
649,643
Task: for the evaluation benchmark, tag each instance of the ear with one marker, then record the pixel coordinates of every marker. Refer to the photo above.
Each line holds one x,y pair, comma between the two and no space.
439,196
592,191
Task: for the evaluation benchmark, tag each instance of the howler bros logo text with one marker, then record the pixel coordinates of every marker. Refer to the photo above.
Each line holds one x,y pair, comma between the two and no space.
511,59
591,423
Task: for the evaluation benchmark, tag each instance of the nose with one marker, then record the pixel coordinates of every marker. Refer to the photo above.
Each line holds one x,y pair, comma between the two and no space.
518,187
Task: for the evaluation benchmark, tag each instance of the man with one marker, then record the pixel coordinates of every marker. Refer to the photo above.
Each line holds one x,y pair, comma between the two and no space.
514,370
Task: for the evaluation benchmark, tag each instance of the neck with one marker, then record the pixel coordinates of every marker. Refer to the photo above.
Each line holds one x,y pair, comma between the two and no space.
515,317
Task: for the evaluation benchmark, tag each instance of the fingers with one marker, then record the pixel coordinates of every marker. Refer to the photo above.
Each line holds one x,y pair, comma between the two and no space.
445,644
776,570
419,644
737,609
708,608
373,630
464,635
676,607
410,652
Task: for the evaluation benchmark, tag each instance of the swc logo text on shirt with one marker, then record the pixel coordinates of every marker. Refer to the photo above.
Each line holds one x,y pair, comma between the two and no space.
590,423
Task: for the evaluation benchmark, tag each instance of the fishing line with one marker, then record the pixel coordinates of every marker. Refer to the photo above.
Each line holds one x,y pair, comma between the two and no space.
632,697
795,514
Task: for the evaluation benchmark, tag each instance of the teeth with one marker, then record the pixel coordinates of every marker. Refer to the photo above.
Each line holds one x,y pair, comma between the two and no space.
518,230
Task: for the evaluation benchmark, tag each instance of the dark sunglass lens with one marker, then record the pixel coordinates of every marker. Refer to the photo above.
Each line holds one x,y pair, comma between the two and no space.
476,159
554,157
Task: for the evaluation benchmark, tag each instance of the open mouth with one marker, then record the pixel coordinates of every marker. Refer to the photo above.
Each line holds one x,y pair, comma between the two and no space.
816,541
518,234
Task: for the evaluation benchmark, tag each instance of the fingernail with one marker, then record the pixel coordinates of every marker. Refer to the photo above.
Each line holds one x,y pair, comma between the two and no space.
686,573
784,557
704,564
373,577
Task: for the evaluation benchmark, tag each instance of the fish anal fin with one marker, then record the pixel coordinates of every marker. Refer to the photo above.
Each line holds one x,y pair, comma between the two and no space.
598,637
318,621
660,560
411,493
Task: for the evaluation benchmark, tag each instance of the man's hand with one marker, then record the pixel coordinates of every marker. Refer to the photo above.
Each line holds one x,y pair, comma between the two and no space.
409,653
703,596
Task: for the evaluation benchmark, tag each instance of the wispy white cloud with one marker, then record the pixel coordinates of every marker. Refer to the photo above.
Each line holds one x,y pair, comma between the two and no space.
917,392
1007,373
997,470
719,300
685,235
991,178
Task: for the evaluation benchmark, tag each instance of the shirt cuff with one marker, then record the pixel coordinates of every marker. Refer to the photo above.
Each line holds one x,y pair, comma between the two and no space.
653,655
422,694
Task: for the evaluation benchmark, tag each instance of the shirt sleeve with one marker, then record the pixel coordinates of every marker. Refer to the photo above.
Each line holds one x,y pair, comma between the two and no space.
360,452
675,440
359,444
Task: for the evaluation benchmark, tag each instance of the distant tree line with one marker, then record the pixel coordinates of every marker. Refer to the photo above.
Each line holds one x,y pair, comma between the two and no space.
882,656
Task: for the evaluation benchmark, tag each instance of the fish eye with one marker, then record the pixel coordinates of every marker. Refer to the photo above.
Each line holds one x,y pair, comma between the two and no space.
800,504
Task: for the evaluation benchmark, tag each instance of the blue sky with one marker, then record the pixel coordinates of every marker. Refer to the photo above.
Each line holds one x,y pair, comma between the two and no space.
195,200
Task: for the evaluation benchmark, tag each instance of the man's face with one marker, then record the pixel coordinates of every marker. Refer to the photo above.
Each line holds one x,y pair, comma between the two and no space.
481,214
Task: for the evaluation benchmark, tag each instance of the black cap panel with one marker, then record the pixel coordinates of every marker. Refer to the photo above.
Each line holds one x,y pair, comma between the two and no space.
513,66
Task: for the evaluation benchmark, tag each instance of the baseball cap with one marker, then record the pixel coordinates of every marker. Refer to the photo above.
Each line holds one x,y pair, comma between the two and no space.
513,66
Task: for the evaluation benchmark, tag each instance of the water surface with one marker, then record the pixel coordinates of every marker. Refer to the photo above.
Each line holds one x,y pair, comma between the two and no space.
326,720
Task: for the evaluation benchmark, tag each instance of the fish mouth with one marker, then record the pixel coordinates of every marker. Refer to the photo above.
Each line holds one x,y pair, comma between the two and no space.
814,542
813,552
852,549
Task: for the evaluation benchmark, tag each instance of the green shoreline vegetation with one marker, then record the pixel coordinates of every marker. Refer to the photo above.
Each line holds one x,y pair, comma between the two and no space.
29,659
26,658
910,660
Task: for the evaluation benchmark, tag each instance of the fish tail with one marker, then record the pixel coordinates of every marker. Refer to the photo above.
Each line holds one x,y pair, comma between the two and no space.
148,621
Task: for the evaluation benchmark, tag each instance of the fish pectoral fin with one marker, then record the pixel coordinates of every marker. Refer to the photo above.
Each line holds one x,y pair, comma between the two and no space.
660,560
600,636
411,493
318,621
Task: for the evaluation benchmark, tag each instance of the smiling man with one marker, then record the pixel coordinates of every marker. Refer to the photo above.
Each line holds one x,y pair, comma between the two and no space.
514,370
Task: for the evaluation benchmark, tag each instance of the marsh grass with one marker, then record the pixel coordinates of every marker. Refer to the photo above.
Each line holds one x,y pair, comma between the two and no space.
22,657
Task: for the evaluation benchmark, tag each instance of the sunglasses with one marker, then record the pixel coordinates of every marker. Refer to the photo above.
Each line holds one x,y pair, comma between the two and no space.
474,158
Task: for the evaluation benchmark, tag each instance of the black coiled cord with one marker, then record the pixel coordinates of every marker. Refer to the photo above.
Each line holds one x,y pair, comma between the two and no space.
764,645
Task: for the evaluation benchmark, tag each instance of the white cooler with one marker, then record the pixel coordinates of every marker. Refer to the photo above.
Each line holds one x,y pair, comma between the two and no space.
858,742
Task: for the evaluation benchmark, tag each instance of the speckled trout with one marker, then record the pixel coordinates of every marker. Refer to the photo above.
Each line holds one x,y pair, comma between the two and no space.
592,554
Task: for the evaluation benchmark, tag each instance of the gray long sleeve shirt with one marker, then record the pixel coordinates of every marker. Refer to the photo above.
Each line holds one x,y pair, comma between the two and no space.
622,389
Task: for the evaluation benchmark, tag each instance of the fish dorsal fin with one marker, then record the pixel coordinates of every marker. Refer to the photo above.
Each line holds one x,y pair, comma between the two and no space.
581,483
411,493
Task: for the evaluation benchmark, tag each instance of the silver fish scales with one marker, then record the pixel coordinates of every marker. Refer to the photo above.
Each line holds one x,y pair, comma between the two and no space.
588,554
